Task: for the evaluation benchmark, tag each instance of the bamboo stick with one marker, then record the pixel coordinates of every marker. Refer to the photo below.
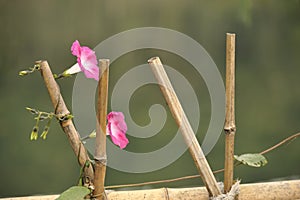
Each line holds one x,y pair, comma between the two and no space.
185,127
229,127
67,125
283,190
100,152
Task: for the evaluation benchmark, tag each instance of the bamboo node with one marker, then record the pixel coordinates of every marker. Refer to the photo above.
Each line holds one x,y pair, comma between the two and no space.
101,161
230,129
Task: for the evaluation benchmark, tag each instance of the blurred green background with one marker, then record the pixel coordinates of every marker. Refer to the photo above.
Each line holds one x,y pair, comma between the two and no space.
267,80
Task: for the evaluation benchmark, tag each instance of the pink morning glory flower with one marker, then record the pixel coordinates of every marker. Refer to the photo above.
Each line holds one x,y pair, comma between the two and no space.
86,61
116,128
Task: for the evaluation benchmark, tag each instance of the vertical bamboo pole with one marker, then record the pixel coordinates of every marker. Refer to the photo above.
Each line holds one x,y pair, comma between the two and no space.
67,126
185,127
230,127
100,151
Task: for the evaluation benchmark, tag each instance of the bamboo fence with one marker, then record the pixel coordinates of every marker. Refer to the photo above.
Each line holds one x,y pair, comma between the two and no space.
95,177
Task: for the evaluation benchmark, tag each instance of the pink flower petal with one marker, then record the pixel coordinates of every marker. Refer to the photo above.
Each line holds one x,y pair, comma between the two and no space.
116,127
76,48
86,59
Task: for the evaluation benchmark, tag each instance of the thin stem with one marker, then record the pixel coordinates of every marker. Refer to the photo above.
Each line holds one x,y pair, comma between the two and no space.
292,137
160,181
85,138
184,126
100,152
153,182
89,136
230,127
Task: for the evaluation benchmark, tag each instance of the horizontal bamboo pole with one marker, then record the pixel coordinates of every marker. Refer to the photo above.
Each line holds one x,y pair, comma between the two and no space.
184,126
283,190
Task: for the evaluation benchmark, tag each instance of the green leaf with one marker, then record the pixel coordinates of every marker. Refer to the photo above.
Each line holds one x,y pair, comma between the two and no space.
252,159
74,193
